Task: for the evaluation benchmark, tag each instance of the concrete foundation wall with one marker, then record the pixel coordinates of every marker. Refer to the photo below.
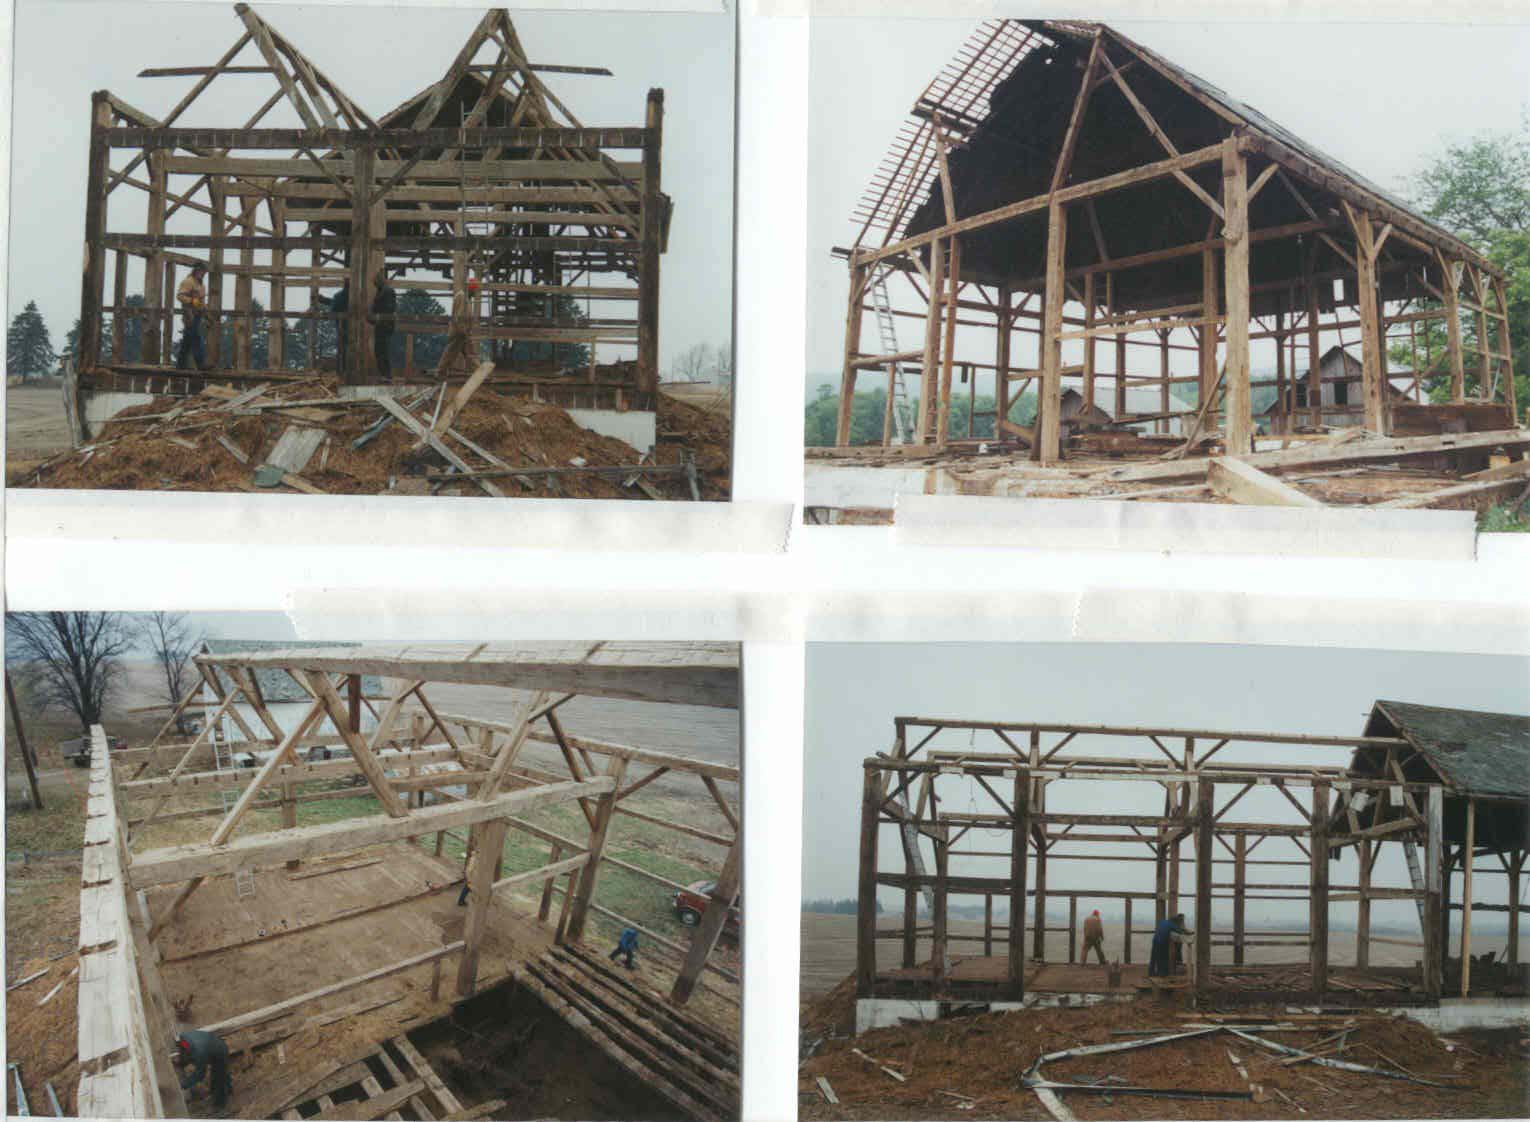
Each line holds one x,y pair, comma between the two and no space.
637,428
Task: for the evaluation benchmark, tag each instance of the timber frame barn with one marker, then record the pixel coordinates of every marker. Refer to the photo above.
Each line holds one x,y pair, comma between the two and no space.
484,189
227,920
1448,786
1061,185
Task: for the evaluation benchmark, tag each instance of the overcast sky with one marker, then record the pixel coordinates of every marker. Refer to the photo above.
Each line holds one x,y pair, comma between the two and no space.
380,56
1381,98
855,690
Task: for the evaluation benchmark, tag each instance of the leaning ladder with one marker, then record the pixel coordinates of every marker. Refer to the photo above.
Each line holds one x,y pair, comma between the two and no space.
223,760
887,329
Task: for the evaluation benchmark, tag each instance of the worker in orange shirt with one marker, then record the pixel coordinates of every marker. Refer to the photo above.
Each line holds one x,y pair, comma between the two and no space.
1094,936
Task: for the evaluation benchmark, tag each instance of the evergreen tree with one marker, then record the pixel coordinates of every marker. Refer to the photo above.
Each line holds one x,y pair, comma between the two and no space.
417,303
28,349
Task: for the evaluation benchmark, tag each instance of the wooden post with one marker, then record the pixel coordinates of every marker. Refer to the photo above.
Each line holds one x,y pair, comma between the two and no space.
353,701
1370,328
1448,854
1049,423
1363,912
1434,827
1001,362
544,909
866,897
490,842
154,262
1468,859
1319,920
1120,344
244,289
1314,340
648,259
1039,922
1203,826
1239,437
314,284
853,316
1090,350
604,809
1126,935
362,287
167,323
1073,928
1208,336
21,742
988,925
289,814
212,320
1161,425
1508,348
1240,905
929,369
93,280
1015,970
1516,866
119,300
1484,341
276,319
910,909
1282,397
940,917
948,342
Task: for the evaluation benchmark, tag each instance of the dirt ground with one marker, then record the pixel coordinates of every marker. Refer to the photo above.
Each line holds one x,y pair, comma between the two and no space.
35,427
978,1063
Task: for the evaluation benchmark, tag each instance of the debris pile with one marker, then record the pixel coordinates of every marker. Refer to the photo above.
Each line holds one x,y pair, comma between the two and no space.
300,435
1151,1060
40,1032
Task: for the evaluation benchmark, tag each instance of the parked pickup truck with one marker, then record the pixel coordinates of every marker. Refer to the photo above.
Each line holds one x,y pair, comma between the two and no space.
77,751
691,904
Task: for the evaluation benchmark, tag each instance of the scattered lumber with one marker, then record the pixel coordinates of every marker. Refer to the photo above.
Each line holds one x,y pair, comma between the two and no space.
47,997
374,1107
828,1092
1240,482
444,420
19,982
879,1064
479,1112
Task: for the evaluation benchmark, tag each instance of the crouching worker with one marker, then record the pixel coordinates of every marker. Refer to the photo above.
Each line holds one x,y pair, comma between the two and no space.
1164,935
200,1051
626,945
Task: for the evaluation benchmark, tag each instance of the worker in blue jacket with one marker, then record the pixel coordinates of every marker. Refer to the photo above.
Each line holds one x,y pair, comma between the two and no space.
626,945
1164,935
200,1051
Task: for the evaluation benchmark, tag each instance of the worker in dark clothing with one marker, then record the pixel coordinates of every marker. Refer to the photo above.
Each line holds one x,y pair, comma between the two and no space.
340,303
1094,937
626,945
199,1051
384,305
192,296
1163,937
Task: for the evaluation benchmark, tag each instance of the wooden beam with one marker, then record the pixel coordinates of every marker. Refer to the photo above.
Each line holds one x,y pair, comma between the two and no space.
651,238
1242,483
866,895
1239,436
184,862
1064,163
1468,860
704,936
585,890
1318,923
1049,426
488,845
282,1008
1019,835
318,682
1205,820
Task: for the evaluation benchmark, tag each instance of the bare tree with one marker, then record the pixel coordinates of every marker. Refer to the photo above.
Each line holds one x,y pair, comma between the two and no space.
174,641
691,364
72,656
721,372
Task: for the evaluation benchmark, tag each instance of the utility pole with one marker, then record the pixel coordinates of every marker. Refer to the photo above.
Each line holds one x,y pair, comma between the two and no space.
21,740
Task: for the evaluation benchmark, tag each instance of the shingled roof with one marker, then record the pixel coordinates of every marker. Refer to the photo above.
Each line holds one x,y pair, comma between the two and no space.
1475,753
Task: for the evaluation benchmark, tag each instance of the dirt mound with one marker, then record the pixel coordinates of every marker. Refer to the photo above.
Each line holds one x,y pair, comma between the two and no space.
217,440
971,1067
706,433
832,1013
